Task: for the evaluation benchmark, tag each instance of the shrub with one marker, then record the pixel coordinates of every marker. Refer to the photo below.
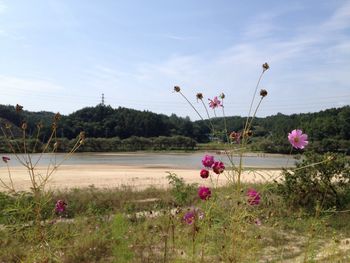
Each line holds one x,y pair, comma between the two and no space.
317,180
182,193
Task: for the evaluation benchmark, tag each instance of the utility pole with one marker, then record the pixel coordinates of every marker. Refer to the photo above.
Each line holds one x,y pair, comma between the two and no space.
103,99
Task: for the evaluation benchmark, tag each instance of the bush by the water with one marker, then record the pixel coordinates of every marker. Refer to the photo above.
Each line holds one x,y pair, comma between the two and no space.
317,180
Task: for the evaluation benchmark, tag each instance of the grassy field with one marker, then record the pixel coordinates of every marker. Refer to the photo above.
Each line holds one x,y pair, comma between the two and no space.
122,225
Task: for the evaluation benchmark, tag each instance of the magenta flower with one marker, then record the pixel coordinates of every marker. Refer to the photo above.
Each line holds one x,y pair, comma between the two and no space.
204,193
215,103
189,217
298,139
5,159
204,173
192,215
253,197
60,206
208,160
218,167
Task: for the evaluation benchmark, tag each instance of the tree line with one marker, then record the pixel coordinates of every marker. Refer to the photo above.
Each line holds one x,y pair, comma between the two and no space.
328,130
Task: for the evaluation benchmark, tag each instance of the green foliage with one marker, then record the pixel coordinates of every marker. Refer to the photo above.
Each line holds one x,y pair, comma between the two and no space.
19,207
130,130
229,236
121,250
114,144
318,180
16,209
328,130
182,193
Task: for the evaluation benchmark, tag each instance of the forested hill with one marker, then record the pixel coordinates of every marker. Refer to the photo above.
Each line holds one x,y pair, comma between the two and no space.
103,121
327,130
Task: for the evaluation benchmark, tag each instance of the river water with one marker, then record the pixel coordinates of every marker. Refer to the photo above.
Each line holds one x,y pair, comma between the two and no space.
171,160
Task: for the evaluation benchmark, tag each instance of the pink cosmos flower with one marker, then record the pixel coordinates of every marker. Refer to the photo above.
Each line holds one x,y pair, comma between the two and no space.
60,206
204,173
218,167
204,193
298,139
253,197
208,160
215,103
5,159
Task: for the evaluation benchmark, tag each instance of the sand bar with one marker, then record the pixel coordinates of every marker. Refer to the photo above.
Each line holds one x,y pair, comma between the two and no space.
111,176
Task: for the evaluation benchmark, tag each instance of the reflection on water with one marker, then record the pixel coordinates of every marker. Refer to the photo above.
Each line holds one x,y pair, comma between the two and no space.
171,160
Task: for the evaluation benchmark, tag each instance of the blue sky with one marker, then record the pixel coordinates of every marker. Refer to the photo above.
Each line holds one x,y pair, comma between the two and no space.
61,55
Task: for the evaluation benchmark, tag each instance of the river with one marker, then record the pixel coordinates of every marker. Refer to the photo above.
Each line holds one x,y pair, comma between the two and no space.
173,160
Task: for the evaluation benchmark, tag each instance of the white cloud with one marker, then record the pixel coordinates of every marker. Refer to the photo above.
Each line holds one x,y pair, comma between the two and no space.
340,19
313,63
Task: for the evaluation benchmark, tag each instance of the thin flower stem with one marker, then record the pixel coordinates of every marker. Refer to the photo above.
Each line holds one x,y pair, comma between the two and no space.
68,155
194,241
200,116
299,168
241,154
10,177
54,154
25,146
45,148
13,149
253,117
225,123
230,157
209,118
36,139
4,185
13,138
310,165
30,166
253,98
289,155
244,140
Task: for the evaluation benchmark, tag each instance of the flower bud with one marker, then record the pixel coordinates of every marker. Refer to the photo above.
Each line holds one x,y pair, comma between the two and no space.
82,135
248,133
57,116
265,66
199,96
39,125
19,108
24,126
263,93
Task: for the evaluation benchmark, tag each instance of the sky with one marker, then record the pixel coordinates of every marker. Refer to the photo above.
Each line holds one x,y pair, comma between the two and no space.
61,55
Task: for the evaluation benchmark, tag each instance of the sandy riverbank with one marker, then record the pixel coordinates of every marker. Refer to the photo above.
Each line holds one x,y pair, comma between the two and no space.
109,176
